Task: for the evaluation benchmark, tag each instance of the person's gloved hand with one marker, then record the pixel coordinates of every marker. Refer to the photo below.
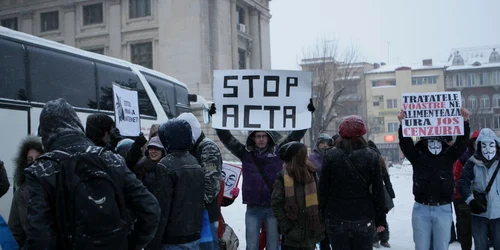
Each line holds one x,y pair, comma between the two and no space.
212,109
235,192
114,137
140,140
476,207
311,107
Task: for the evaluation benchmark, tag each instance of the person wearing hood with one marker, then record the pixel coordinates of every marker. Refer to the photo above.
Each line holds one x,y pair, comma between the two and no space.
351,178
432,160
146,167
261,164
382,238
182,180
483,198
323,142
61,130
100,129
462,210
210,159
295,199
29,149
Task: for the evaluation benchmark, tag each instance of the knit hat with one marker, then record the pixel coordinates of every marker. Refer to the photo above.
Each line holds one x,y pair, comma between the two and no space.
289,150
123,146
155,142
352,126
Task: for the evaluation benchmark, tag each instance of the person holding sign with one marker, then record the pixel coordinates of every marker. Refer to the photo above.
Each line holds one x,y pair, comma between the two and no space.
432,159
479,185
261,164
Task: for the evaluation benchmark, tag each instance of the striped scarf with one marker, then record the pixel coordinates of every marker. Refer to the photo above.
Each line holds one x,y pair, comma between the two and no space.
311,197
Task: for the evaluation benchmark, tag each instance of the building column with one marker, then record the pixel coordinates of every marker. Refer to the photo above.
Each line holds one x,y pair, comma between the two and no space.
27,22
115,29
234,34
69,24
254,33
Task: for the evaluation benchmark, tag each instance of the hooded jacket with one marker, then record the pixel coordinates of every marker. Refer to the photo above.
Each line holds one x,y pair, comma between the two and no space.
208,155
61,129
316,157
476,175
459,164
19,206
182,185
433,174
255,189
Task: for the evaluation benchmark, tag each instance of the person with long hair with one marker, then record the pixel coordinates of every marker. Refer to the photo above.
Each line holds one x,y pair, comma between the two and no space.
351,190
295,200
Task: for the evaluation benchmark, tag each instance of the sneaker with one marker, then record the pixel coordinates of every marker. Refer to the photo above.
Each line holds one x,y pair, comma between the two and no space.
385,244
376,245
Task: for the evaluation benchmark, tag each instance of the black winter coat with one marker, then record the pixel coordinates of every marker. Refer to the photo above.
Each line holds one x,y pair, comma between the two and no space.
344,193
433,174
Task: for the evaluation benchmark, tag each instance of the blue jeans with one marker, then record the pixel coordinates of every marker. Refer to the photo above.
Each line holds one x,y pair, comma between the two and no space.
480,232
194,245
253,220
431,222
215,234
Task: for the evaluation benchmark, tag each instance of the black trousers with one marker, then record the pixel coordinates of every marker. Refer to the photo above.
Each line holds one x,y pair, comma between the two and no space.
351,235
464,224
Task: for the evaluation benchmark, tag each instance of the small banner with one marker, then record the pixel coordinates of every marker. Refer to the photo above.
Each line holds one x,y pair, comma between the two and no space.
127,118
231,175
432,114
262,100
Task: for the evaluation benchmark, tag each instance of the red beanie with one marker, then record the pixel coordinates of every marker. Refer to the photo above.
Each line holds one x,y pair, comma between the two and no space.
352,126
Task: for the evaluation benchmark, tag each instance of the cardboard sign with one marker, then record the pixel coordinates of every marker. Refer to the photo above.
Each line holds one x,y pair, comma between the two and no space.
432,114
126,104
231,175
262,100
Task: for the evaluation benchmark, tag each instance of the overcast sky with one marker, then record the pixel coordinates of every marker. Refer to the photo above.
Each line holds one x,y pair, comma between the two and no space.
415,29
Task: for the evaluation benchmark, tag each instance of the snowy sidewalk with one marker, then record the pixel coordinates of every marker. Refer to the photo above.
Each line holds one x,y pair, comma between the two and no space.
399,218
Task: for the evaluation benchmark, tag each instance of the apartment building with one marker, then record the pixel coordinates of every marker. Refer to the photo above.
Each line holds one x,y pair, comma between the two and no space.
384,87
475,72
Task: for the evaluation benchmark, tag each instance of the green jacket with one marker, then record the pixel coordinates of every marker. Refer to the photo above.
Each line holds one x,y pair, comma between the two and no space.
296,234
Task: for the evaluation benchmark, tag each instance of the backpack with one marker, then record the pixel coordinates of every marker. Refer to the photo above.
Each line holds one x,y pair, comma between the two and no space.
89,204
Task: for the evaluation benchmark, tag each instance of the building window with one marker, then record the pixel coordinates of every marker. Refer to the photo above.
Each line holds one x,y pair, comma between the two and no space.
496,100
496,77
142,54
97,51
496,122
392,127
471,79
10,23
424,80
392,103
241,15
139,8
242,59
382,83
49,21
483,122
459,80
472,103
92,14
485,101
378,99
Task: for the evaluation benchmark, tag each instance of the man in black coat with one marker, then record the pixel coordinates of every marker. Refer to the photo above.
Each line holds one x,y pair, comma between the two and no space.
432,159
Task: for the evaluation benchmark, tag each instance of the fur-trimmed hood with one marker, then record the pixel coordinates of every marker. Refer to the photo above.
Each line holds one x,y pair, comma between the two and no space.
29,142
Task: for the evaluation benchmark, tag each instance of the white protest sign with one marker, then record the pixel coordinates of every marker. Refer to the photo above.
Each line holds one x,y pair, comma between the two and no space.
231,175
432,114
126,104
262,100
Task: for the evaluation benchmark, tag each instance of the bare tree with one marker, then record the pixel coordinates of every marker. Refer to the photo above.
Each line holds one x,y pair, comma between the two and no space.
328,66
372,127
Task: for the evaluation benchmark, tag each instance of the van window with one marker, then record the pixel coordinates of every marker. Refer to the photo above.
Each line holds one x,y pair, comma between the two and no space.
107,74
165,92
12,71
182,95
54,75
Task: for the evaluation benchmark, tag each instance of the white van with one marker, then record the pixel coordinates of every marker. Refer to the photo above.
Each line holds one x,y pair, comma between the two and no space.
34,70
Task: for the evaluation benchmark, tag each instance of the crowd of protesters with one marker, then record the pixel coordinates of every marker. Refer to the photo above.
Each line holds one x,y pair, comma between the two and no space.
92,188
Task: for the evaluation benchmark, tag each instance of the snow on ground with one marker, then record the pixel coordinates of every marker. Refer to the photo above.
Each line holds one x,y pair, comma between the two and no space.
399,218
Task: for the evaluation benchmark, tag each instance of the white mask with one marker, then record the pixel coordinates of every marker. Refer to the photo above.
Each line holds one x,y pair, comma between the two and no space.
434,146
489,149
